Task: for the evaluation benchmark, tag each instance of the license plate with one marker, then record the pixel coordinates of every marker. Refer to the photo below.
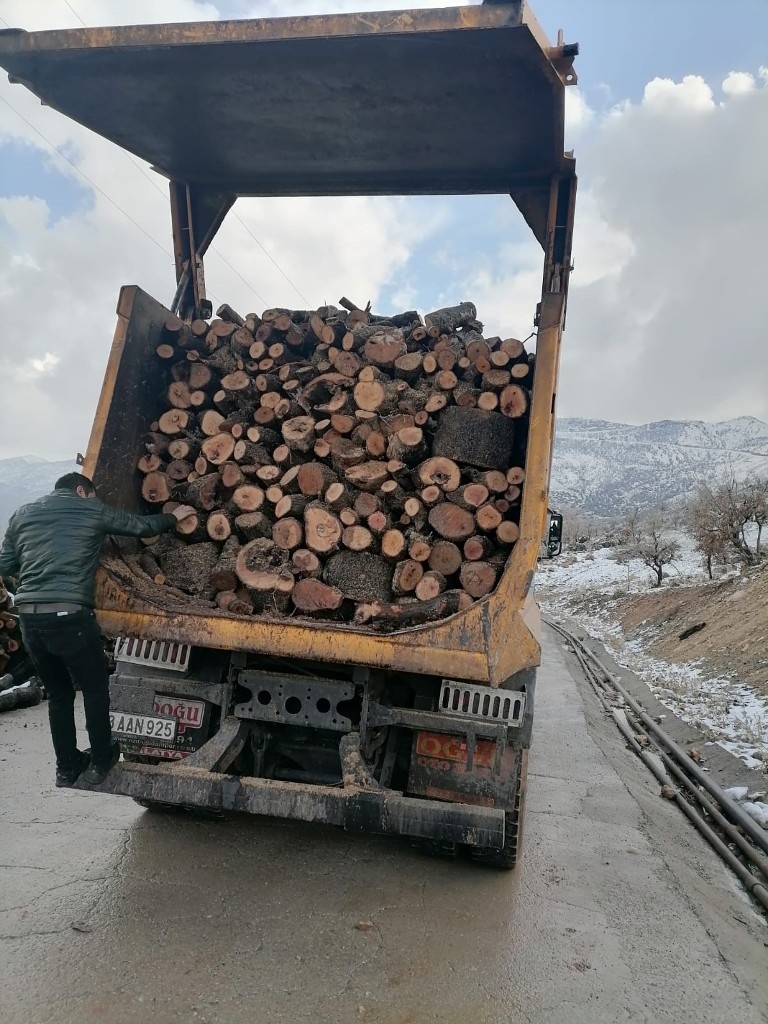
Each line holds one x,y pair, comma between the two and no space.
444,747
143,726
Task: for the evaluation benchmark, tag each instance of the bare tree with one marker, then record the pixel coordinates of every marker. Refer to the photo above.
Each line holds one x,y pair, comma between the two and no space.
649,540
708,529
720,516
578,529
757,504
657,549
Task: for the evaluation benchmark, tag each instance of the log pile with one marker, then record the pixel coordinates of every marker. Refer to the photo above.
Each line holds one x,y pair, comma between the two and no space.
11,648
340,464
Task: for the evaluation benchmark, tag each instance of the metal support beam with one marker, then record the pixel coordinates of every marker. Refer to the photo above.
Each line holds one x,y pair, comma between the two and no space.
557,251
550,316
197,212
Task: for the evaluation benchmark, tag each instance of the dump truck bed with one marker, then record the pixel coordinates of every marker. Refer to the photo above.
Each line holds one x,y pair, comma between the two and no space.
490,641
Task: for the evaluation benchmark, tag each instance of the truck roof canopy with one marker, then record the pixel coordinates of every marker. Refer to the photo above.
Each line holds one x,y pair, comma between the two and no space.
460,100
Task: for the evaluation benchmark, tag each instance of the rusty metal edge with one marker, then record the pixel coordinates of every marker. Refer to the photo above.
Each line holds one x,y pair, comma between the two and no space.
354,809
263,30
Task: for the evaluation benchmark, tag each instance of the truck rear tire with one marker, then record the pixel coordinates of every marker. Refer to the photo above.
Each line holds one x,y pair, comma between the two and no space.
507,857
198,813
436,847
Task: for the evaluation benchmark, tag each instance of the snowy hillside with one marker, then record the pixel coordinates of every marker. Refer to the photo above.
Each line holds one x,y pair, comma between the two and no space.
24,479
593,587
609,469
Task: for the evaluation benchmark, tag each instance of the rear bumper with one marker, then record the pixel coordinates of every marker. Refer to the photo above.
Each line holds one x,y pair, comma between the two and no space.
355,809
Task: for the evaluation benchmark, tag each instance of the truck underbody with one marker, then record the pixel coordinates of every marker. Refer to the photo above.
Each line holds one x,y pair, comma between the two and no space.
418,756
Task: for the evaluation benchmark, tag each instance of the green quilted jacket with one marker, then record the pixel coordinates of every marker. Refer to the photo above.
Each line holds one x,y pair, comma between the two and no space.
52,545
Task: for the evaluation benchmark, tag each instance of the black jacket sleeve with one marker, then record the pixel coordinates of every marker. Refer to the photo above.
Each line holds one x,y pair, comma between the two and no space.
9,562
126,524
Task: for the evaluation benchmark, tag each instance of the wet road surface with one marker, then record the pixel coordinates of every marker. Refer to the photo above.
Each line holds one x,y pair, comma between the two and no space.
619,911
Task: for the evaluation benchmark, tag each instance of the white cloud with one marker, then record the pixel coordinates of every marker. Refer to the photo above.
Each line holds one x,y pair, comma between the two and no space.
49,14
44,365
663,96
669,321
668,303
37,367
578,115
738,82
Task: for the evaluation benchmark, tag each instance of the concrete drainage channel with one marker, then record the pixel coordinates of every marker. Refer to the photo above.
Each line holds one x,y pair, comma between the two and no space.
736,838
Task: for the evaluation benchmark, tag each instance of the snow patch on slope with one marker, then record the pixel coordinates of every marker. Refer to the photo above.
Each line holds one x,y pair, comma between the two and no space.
585,586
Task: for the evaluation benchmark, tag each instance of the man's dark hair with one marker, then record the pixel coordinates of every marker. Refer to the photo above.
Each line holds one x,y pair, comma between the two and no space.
71,481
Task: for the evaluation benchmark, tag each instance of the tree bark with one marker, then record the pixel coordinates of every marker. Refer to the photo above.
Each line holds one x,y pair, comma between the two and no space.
359,575
448,319
430,586
323,530
253,525
189,567
288,534
223,576
156,488
478,578
219,526
441,472
482,439
406,577
451,522
445,558
203,493
149,564
313,597
409,614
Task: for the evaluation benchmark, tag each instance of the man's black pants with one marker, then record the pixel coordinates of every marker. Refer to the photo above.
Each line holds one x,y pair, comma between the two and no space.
63,649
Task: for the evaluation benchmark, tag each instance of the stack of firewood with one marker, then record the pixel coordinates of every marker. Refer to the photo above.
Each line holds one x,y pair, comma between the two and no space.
10,635
340,464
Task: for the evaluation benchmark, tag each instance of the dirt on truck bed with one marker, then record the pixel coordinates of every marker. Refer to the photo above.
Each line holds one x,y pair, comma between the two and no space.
734,639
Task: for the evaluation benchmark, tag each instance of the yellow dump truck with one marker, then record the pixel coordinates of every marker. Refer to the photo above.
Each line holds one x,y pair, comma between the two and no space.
423,731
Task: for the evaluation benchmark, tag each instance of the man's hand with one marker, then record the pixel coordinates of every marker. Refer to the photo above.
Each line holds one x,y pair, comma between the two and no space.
183,512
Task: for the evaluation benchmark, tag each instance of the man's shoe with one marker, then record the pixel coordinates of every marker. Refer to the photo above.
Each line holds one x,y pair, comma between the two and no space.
69,776
96,773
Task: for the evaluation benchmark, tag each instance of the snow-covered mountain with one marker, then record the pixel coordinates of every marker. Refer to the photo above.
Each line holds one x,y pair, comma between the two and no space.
24,479
609,469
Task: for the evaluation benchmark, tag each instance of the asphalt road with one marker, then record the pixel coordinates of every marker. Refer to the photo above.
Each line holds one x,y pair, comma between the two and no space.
619,912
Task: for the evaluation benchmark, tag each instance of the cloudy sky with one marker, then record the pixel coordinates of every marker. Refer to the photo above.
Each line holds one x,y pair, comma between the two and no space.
669,302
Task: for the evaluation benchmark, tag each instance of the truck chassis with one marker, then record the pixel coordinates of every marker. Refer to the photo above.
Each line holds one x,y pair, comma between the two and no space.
435,760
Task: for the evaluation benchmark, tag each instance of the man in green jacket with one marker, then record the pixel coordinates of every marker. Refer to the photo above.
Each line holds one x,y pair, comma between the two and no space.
52,548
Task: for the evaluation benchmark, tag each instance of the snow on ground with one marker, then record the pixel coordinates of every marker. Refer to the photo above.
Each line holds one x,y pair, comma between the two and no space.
585,586
599,572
